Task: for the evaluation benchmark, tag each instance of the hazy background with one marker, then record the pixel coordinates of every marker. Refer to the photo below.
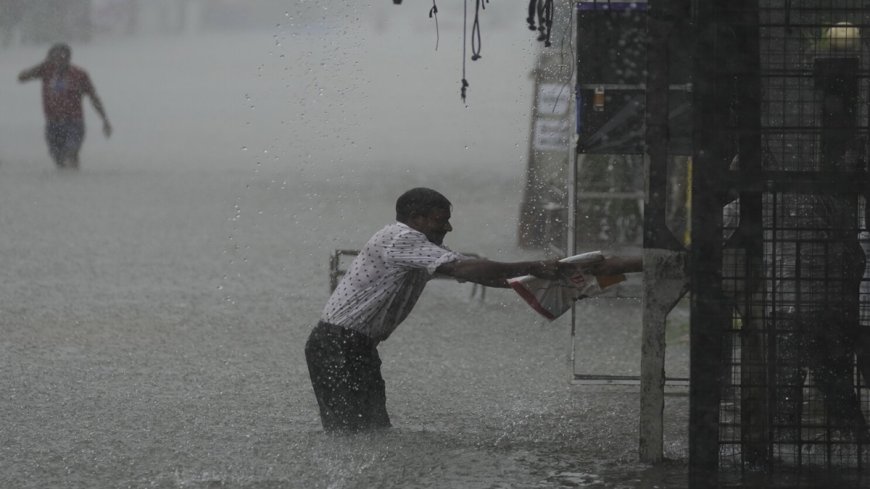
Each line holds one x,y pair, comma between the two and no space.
342,84
155,303
302,90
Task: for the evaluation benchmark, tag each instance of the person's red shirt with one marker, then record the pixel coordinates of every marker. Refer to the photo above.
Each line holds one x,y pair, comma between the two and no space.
62,92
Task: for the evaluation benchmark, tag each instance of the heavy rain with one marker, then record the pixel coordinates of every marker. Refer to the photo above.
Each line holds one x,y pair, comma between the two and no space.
158,293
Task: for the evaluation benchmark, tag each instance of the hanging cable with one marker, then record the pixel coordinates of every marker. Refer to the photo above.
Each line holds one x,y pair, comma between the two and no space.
475,31
475,38
433,12
464,30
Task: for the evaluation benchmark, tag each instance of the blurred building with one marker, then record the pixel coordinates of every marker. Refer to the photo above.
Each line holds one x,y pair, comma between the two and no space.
184,16
47,21
126,17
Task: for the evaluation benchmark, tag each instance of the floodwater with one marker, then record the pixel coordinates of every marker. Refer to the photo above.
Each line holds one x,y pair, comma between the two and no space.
154,304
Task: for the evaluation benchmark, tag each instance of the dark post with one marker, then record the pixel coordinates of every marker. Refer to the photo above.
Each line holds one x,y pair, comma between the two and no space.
663,16
711,157
748,236
664,267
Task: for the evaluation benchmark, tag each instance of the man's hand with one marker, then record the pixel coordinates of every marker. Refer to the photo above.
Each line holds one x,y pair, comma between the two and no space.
574,271
615,265
549,270
107,128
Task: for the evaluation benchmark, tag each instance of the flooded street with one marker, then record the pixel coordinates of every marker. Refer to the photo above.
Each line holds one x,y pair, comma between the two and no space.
155,303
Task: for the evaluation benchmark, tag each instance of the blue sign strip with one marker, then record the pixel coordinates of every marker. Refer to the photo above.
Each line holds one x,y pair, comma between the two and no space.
609,5
578,108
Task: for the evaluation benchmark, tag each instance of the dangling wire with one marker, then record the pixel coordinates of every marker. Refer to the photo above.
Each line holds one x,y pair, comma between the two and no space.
433,12
475,31
464,30
475,36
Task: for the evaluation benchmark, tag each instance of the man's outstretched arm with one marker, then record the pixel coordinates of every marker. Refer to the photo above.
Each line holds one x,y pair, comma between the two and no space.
30,73
495,274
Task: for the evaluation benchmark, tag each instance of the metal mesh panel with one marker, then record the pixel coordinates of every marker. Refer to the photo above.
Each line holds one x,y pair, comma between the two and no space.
809,51
796,351
792,396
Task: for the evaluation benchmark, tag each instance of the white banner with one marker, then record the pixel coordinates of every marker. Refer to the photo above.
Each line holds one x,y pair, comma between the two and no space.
551,135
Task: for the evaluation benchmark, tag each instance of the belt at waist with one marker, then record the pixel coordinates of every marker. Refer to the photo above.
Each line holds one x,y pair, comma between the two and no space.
345,333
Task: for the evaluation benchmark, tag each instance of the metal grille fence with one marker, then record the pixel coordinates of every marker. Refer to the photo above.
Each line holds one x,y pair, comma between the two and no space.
790,171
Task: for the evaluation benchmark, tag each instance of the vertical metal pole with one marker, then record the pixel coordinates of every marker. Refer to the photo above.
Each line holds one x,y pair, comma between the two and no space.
664,260
573,164
572,239
652,349
754,388
711,159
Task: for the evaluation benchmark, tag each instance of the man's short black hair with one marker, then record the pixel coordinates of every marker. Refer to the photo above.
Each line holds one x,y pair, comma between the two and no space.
419,201
61,48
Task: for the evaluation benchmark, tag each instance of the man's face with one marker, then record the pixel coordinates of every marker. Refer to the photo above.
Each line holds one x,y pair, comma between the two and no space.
434,225
58,59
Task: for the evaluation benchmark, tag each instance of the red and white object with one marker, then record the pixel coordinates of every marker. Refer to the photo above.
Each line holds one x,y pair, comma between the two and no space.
551,298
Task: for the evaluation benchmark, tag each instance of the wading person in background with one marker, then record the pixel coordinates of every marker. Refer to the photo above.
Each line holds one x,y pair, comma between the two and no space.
63,87
378,292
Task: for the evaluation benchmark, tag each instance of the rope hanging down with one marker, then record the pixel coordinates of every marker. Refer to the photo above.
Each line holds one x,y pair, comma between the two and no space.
433,12
475,31
464,29
540,18
476,42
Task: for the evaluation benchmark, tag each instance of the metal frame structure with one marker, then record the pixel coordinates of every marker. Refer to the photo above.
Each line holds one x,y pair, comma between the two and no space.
779,333
631,114
780,328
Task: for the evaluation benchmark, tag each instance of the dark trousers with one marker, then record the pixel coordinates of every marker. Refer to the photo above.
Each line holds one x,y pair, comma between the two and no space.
345,372
64,140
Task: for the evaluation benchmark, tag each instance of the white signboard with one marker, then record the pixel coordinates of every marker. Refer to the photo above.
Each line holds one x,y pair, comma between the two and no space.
551,135
553,98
